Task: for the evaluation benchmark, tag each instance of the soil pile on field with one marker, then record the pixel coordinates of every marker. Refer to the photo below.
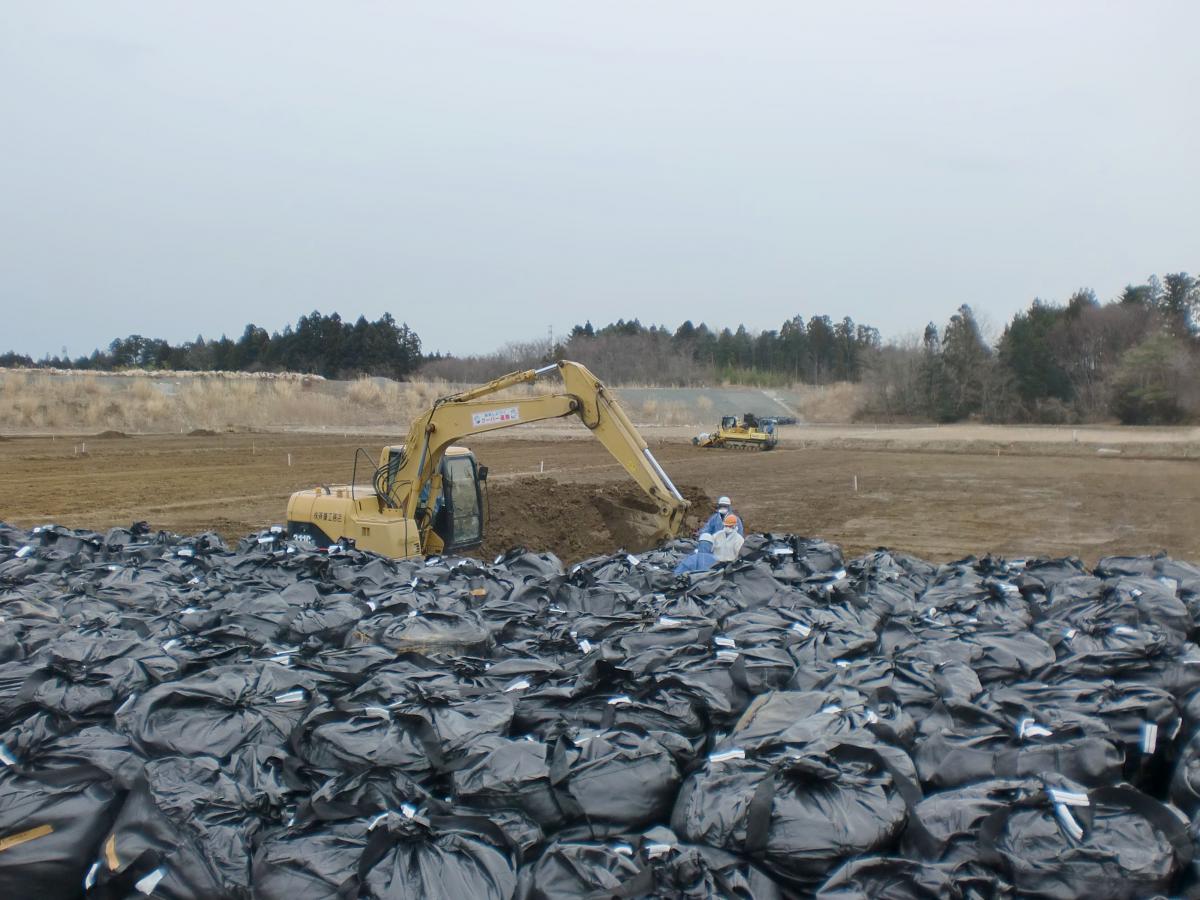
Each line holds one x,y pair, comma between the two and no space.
180,720
566,519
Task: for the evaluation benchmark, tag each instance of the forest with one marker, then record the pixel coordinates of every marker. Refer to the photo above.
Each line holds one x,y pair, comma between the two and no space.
1135,359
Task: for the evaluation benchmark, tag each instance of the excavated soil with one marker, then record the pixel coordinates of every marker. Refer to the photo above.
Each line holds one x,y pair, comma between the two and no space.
566,519
939,503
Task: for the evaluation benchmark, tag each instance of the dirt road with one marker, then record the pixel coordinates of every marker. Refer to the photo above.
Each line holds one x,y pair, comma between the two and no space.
987,497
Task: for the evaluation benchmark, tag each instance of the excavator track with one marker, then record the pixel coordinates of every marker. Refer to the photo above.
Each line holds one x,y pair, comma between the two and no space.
742,445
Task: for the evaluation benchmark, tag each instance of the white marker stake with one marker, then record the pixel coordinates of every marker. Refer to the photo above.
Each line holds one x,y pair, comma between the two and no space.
289,460
856,484
542,467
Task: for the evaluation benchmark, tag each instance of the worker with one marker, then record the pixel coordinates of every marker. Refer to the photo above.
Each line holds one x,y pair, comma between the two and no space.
727,542
717,520
701,560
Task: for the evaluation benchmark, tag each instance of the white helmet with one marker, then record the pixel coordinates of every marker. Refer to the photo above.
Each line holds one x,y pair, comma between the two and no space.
705,538
723,501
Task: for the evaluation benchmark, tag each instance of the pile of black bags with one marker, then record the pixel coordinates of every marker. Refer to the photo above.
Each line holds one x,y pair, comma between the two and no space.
181,720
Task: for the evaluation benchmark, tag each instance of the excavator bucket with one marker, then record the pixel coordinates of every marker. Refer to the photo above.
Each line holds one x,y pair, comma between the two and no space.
633,522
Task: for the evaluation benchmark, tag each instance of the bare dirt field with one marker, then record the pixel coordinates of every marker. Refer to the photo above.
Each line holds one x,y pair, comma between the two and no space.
940,495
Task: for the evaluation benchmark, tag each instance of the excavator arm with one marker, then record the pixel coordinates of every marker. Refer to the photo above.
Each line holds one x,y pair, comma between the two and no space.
471,412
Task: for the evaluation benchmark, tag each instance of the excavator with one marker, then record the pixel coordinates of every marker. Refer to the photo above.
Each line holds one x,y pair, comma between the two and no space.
425,497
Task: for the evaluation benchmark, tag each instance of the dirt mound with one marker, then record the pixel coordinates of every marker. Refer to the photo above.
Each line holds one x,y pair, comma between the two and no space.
202,432
566,519
109,435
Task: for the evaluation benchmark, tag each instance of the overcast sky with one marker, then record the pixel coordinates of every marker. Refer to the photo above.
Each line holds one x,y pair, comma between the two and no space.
488,171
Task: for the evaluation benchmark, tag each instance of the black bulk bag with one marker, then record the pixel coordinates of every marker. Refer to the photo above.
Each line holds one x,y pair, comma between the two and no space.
680,871
1185,780
327,619
798,815
185,832
15,703
83,675
990,601
59,793
394,856
433,632
1113,842
575,870
756,670
950,820
506,773
889,878
798,717
350,738
615,778
996,653
835,632
215,712
522,562
1144,719
963,744
918,685
654,866
51,824
455,714
650,705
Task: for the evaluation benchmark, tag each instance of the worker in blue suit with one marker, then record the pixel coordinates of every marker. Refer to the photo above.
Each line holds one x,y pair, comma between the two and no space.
701,560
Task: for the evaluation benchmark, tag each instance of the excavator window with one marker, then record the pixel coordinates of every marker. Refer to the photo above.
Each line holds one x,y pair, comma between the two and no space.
460,521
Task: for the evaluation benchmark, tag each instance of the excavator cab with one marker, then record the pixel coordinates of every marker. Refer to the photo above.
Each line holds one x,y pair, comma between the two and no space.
458,519
728,422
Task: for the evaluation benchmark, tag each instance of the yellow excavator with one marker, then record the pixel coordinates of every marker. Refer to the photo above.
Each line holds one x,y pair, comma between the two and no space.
425,497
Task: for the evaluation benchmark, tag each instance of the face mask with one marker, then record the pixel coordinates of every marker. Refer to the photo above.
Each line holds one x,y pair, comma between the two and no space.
723,510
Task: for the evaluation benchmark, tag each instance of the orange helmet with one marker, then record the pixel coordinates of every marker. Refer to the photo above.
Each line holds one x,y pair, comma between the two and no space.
731,520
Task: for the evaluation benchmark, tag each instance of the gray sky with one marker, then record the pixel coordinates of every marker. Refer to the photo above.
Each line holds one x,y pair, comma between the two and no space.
488,170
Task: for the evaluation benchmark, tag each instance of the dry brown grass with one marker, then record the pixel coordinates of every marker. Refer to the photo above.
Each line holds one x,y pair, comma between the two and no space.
837,403
652,411
39,401
43,402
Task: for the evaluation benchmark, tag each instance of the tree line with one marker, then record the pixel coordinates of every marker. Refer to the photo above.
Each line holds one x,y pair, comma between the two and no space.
818,351
1135,358
319,344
